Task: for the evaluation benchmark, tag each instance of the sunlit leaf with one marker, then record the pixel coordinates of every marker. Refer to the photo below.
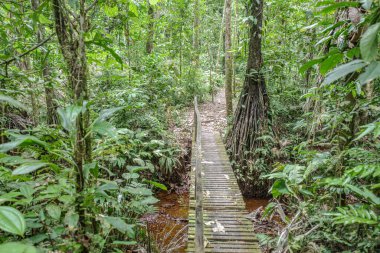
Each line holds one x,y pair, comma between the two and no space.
120,225
111,11
156,184
371,72
22,141
54,211
71,220
279,188
343,70
369,43
309,64
330,63
17,247
29,167
153,2
333,6
12,221
68,117
13,102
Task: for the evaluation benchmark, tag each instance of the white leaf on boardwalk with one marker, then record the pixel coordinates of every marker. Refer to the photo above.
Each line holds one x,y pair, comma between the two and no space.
207,194
218,228
227,177
209,223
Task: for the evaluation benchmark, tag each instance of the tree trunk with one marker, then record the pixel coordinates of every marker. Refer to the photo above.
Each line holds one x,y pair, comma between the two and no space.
71,40
251,114
228,58
196,32
149,42
51,104
218,55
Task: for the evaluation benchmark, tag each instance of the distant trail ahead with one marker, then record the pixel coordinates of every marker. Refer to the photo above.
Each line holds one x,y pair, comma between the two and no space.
213,115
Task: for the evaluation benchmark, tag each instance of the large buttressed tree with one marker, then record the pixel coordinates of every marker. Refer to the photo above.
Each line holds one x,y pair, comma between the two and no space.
251,114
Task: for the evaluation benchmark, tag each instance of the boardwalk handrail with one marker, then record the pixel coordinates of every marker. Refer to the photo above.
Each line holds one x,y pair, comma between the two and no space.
199,242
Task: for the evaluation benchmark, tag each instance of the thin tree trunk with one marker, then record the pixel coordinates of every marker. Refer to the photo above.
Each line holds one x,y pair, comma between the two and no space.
71,40
220,44
196,27
235,46
228,58
51,104
251,114
149,42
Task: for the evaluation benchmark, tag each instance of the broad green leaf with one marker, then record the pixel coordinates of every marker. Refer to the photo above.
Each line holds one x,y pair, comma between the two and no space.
17,247
369,43
29,167
14,160
330,63
334,6
71,220
92,168
22,141
365,193
27,190
109,186
153,2
120,225
107,113
124,243
108,49
9,197
104,128
54,211
279,188
138,191
43,20
133,10
369,129
366,4
343,70
309,64
128,176
156,184
371,72
12,221
68,117
149,201
13,102
111,11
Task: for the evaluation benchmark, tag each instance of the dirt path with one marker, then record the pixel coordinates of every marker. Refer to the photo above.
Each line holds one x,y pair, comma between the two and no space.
213,119
214,114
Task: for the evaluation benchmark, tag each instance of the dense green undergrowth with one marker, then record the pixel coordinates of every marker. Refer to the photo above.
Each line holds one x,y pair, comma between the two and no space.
325,164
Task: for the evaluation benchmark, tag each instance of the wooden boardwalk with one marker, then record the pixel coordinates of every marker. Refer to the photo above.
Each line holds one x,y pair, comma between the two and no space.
224,226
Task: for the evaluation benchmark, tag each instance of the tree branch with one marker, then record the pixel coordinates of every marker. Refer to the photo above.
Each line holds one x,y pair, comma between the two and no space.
91,6
27,52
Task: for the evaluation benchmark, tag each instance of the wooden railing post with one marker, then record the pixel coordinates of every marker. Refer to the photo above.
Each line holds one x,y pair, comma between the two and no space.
199,241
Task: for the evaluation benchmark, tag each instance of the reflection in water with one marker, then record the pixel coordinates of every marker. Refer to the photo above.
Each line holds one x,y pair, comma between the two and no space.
168,226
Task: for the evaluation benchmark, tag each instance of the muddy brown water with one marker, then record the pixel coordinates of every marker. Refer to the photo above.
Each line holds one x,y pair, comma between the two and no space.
253,204
168,226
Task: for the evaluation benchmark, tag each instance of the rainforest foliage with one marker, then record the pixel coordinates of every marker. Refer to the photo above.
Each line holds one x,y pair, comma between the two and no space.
91,91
